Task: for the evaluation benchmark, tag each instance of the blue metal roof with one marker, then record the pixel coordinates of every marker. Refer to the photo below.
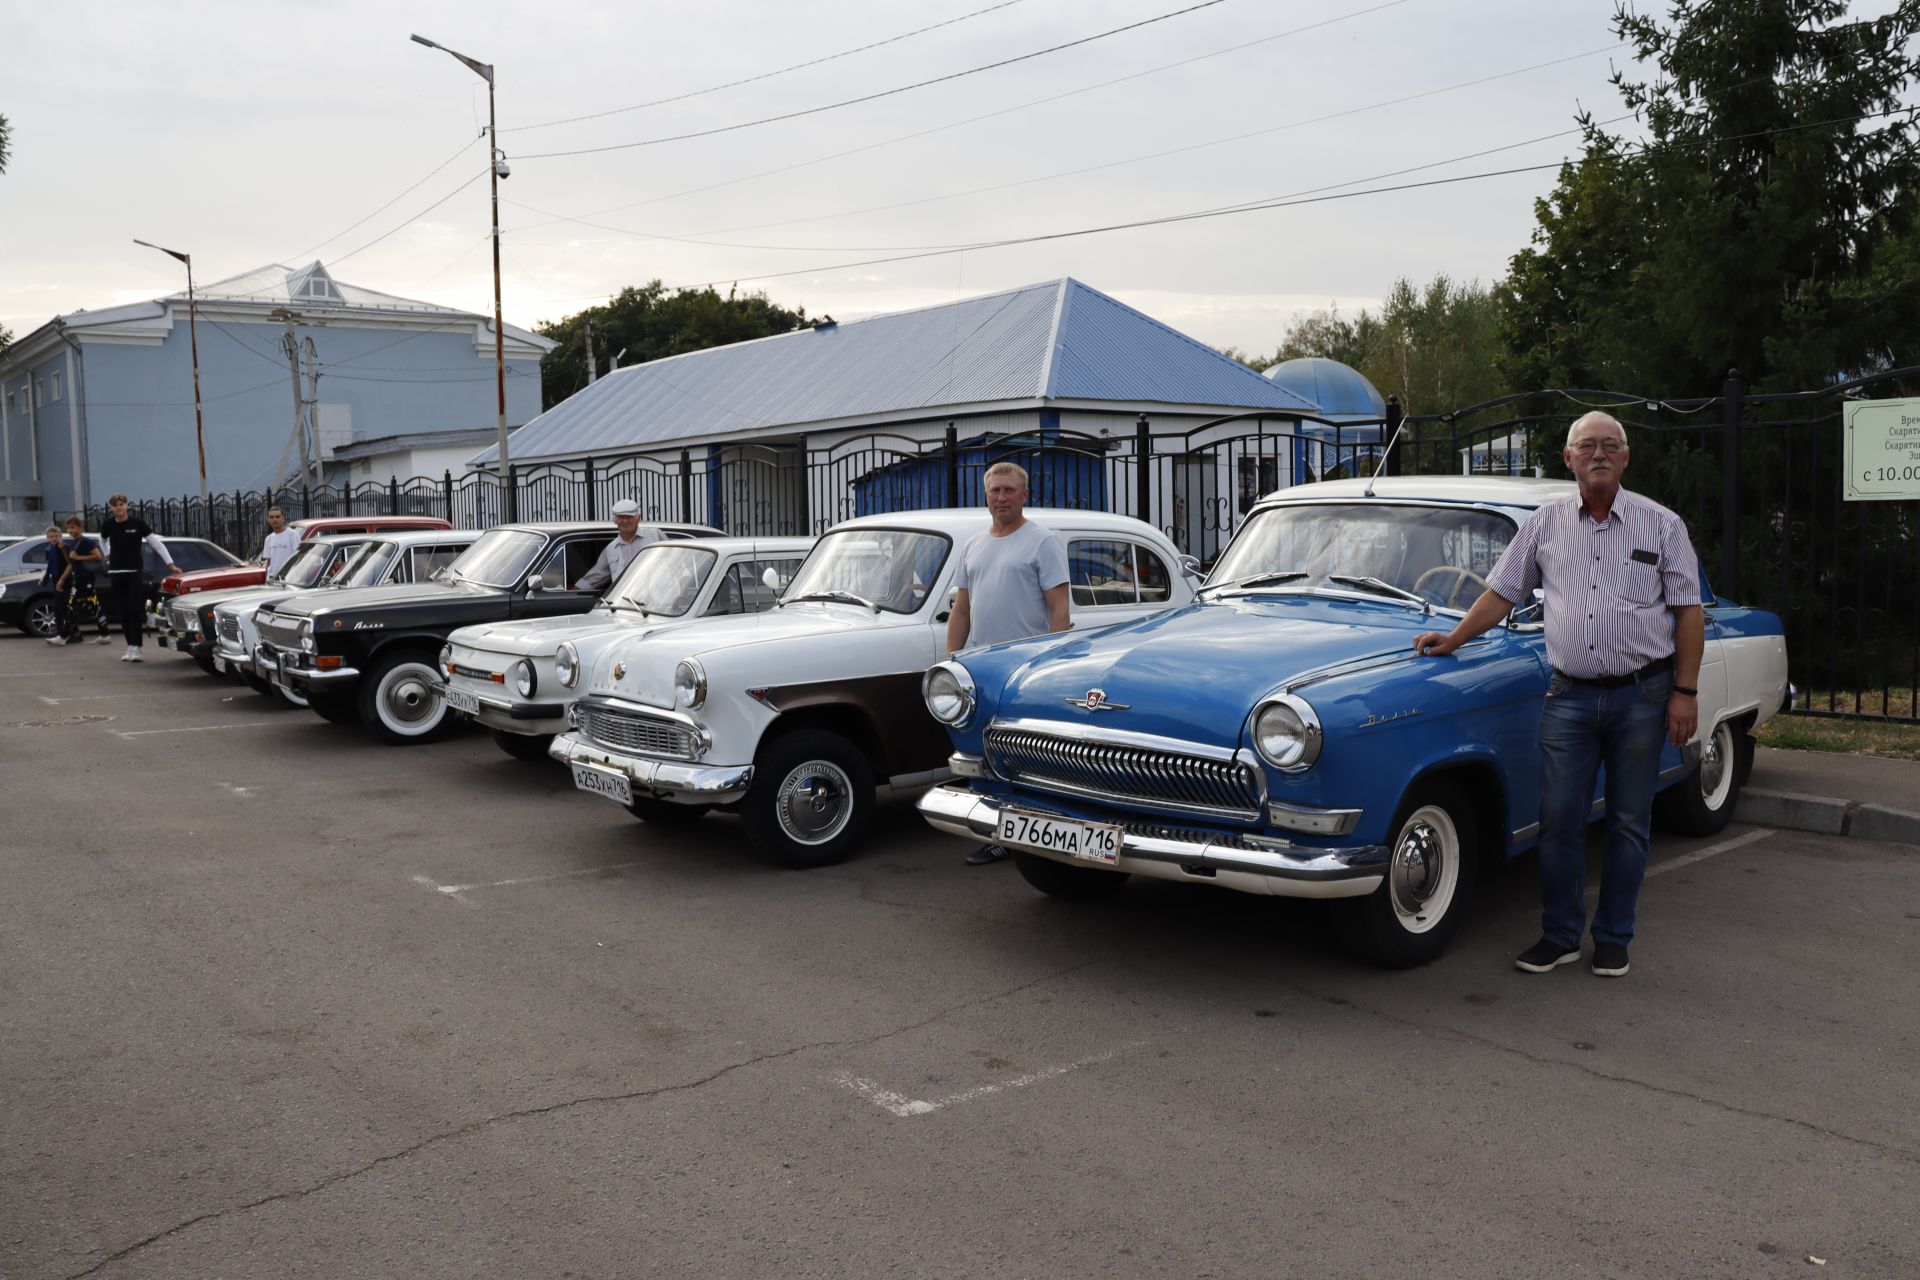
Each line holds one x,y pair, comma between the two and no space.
1059,340
1340,390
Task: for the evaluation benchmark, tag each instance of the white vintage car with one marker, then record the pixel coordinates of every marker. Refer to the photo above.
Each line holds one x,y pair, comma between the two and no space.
792,717
519,677
362,560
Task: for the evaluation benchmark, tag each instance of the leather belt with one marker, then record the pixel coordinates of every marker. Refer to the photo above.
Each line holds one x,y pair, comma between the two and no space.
1653,668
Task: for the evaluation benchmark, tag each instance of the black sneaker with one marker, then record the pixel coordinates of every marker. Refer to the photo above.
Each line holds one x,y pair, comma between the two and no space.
985,854
1544,957
1610,959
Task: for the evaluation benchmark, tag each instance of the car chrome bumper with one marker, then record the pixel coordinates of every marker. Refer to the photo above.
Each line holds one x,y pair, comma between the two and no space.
515,714
1169,853
267,660
667,779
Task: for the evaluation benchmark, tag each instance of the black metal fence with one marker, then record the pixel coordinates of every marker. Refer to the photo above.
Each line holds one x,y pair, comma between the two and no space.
1756,476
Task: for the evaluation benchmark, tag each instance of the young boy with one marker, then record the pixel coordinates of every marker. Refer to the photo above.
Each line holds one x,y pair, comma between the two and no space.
83,560
54,575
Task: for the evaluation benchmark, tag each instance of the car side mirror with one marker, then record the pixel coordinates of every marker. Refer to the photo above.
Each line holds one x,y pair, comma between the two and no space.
1192,565
946,611
1531,614
535,582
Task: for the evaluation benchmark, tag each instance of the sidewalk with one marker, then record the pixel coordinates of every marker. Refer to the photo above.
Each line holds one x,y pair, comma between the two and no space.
1833,794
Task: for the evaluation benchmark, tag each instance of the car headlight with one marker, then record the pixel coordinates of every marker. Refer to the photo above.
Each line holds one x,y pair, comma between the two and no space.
1287,733
446,659
305,629
690,684
524,678
566,664
948,691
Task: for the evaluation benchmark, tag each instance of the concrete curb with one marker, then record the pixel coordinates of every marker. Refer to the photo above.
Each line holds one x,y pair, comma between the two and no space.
1827,816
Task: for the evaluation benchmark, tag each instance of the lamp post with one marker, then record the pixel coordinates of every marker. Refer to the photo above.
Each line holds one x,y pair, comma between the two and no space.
193,337
499,170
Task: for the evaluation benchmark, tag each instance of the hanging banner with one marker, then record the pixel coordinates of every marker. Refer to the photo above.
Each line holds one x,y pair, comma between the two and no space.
1882,451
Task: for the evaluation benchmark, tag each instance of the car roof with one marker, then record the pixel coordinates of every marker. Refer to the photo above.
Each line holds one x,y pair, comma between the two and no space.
959,521
606,526
1499,491
727,545
398,522
410,537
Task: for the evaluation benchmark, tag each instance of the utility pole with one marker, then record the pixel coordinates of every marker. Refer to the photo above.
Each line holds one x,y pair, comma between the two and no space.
310,457
193,337
587,320
291,345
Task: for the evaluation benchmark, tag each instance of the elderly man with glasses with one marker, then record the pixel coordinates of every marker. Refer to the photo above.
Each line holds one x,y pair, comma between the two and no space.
1625,632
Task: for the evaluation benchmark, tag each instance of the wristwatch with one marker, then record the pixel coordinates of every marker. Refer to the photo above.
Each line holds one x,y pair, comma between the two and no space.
1691,693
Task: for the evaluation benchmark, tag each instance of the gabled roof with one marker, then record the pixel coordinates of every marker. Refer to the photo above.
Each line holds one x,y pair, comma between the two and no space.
1050,342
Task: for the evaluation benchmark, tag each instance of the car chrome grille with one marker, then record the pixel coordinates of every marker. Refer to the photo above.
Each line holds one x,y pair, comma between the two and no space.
1127,774
281,633
229,627
628,731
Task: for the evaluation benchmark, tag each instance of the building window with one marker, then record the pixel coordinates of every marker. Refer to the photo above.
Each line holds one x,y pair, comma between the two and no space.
9,402
56,387
39,392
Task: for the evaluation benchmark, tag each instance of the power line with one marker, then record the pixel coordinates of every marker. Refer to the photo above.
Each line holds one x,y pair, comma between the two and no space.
872,97
464,148
990,115
410,221
690,237
768,75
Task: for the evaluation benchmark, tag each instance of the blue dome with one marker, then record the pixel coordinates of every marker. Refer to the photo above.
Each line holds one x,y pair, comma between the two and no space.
1340,390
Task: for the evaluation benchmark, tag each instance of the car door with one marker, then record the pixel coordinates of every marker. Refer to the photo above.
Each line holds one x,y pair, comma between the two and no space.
562,564
1112,578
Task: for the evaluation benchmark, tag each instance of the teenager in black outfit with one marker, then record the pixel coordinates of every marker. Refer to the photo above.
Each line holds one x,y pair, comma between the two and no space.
123,535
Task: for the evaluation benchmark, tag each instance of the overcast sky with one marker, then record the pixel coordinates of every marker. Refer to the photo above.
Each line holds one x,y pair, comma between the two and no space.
255,132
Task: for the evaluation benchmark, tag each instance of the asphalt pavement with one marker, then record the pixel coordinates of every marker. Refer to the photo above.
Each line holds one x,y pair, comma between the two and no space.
276,1001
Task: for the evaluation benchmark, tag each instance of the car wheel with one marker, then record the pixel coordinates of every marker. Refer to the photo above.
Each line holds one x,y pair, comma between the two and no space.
656,812
331,707
523,746
1058,880
1411,917
1701,804
205,662
41,618
811,800
400,700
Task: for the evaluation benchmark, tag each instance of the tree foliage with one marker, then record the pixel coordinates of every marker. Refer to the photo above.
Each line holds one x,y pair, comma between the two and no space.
1765,224
650,323
6,143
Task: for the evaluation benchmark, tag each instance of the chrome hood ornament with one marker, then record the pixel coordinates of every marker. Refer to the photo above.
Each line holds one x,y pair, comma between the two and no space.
1096,700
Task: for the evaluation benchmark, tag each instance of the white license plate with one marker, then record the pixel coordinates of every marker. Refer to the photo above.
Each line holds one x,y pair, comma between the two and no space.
461,700
219,663
1088,841
603,782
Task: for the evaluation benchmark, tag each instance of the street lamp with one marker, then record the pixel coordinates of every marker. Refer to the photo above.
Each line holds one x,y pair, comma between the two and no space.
499,170
193,336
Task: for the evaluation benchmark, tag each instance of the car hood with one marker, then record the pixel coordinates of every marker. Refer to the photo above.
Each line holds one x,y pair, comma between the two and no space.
207,599
542,637
649,661
325,600
1196,673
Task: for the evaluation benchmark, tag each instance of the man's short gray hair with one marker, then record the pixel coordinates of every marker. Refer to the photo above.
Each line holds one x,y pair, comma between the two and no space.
1013,469
1595,416
275,511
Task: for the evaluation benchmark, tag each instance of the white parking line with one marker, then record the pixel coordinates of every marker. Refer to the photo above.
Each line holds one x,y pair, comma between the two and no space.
455,890
899,1104
102,697
1712,850
198,728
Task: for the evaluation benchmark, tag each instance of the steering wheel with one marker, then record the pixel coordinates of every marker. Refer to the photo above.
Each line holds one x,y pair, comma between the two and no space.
1461,577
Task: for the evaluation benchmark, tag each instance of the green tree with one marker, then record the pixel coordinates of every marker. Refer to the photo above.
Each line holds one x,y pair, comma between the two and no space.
650,323
1749,230
6,143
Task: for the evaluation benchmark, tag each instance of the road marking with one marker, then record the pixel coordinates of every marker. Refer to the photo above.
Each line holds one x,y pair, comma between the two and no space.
1712,850
899,1104
455,890
99,697
242,792
199,728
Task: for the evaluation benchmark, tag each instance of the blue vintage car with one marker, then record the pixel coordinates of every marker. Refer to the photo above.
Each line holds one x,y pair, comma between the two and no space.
1280,736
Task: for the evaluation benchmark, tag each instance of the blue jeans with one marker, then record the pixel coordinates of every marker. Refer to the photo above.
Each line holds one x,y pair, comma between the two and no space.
1583,728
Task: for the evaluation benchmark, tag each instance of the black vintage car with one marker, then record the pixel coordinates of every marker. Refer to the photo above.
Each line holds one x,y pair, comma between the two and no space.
372,654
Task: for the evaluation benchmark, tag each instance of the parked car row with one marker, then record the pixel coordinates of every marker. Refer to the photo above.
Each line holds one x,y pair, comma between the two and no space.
1269,731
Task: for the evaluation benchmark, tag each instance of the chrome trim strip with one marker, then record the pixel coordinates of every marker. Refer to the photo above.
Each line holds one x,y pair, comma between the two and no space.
691,784
1320,822
1128,769
1527,832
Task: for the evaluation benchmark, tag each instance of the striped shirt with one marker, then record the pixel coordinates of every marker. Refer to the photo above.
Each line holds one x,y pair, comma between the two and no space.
1611,585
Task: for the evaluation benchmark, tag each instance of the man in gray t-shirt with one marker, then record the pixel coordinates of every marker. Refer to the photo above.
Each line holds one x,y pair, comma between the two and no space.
1012,583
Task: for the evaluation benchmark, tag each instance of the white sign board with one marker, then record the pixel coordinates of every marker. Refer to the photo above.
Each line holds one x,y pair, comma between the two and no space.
1883,450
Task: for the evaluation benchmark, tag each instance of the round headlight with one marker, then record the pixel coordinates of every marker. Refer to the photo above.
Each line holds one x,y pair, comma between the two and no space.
689,684
566,664
446,659
1287,733
948,691
523,678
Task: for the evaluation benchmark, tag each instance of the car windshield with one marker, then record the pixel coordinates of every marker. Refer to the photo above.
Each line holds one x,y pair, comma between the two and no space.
368,566
307,565
891,569
664,578
498,558
1442,555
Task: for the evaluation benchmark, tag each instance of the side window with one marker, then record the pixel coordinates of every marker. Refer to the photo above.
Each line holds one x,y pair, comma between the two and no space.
343,553
429,560
193,555
36,554
1100,572
402,568
752,586
1156,582
567,563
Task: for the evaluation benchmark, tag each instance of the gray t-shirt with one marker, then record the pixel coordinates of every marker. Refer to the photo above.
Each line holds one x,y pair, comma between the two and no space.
1004,579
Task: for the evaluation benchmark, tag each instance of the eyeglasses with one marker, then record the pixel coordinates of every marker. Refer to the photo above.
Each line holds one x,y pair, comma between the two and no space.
1587,448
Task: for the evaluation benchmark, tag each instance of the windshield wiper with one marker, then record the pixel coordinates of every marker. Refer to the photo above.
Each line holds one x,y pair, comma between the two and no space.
1258,580
847,596
1382,588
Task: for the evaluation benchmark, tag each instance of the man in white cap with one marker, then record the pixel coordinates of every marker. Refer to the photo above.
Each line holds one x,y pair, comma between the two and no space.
620,552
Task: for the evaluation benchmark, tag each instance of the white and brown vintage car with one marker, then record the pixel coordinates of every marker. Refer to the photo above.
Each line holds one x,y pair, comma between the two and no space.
792,717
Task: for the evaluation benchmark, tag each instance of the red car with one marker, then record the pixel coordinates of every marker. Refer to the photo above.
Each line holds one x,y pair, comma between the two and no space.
248,575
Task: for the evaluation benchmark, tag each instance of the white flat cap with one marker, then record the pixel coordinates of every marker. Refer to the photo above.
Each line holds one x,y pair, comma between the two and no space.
626,507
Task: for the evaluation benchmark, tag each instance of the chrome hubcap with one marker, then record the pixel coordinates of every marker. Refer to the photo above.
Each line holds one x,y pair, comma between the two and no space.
1416,866
1425,870
42,619
814,802
409,699
1715,763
